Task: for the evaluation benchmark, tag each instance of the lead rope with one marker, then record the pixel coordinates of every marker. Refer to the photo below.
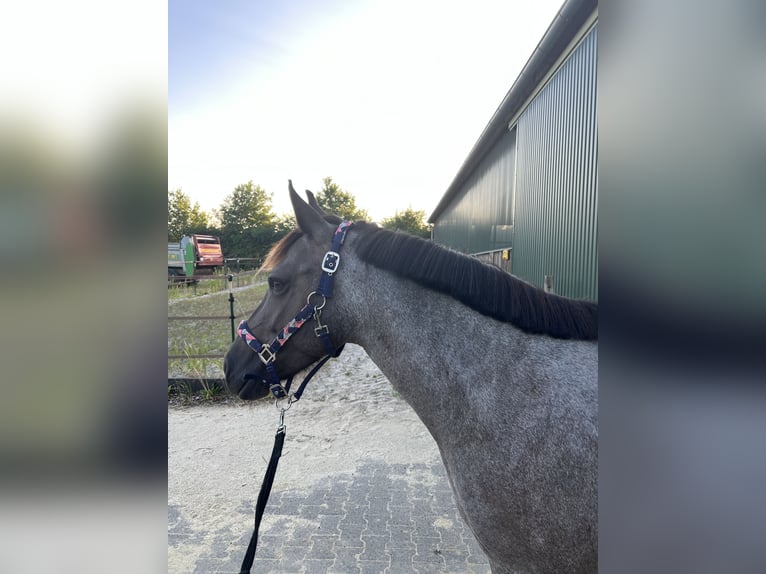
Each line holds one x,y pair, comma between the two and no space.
263,496
267,354
271,470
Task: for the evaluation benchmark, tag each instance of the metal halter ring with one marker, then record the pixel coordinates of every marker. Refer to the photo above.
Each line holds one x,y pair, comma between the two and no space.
316,307
290,402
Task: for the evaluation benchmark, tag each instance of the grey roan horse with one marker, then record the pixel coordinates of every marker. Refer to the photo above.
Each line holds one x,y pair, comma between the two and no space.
503,375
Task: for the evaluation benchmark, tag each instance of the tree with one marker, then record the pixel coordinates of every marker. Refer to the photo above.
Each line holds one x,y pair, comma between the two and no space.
185,218
285,224
248,225
247,207
409,221
332,199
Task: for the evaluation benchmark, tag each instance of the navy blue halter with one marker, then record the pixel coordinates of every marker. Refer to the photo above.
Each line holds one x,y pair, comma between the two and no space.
315,302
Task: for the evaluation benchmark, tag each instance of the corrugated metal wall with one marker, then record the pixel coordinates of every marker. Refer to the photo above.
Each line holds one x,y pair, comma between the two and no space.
481,218
556,224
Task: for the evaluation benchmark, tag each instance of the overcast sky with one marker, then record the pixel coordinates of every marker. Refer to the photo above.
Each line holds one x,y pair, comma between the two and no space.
387,97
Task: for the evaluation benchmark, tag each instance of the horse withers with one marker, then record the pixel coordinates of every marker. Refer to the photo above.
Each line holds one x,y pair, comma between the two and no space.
503,375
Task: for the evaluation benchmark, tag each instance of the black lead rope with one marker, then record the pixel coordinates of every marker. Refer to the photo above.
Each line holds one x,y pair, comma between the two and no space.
263,498
271,470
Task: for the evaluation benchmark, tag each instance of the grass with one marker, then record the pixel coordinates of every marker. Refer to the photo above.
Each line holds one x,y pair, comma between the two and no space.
189,337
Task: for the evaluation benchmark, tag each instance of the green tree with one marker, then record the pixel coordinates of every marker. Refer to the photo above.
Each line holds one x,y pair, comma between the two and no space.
332,199
285,224
185,218
247,207
248,225
409,221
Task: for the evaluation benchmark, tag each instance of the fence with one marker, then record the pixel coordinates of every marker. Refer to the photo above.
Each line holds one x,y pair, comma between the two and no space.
499,258
237,264
212,283
197,383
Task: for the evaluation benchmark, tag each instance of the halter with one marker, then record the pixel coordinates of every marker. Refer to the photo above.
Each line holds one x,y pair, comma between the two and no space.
315,302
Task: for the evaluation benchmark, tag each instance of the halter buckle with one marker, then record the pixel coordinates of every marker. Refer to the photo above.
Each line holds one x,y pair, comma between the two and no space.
266,355
330,262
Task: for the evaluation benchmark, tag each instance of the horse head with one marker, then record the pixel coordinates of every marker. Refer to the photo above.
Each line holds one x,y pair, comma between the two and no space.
300,291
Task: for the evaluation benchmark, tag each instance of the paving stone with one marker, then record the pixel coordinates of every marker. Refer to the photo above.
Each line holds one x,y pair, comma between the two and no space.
450,538
322,547
358,496
264,566
399,498
316,497
378,505
350,541
476,569
354,512
292,558
383,519
317,566
289,506
443,499
373,567
400,536
311,511
400,515
401,562
300,536
426,547
424,525
454,560
268,547
335,504
376,525
347,559
422,505
430,557
374,548
429,568
330,524
205,566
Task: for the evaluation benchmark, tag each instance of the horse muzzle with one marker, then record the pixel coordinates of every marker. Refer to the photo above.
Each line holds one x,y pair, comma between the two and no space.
250,383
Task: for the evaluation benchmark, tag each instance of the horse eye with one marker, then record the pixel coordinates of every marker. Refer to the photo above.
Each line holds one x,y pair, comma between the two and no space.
277,285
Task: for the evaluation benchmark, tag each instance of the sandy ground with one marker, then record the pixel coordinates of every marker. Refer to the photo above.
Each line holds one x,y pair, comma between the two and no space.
217,453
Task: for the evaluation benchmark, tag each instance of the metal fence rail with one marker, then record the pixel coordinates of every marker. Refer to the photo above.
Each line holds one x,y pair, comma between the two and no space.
231,317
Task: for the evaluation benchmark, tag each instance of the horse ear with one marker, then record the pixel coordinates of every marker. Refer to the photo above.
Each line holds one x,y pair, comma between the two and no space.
309,221
313,202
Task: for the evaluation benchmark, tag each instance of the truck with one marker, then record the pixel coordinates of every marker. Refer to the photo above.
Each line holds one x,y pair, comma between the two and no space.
194,255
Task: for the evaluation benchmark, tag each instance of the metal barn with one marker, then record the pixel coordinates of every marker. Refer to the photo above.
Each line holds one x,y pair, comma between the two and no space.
526,197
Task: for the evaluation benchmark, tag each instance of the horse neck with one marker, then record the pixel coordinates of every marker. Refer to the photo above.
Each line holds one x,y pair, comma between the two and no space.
436,351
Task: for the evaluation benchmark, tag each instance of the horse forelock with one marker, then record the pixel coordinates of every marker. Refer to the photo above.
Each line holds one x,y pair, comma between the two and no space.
482,287
278,252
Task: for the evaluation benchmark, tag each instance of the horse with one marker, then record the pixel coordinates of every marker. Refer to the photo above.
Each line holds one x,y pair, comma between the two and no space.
502,373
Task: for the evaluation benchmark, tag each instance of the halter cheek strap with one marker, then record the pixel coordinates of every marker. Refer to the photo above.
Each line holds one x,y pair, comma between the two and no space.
315,302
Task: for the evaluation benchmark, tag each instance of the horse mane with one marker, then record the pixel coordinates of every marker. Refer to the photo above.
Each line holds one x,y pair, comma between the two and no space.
482,287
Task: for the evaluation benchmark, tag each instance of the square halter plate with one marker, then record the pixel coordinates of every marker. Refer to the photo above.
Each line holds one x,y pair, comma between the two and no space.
330,262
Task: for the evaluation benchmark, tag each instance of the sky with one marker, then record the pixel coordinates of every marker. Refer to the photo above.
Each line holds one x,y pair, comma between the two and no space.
386,97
